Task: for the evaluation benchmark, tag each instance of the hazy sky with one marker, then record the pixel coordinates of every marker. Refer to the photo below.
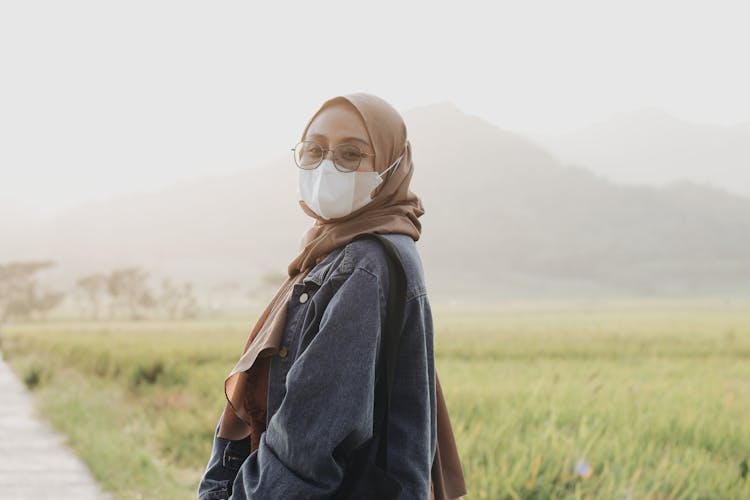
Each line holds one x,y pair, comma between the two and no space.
99,98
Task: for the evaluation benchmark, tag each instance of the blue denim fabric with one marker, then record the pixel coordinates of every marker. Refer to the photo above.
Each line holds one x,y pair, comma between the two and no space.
321,394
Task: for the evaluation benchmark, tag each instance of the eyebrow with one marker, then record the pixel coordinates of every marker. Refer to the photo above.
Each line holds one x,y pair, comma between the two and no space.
345,139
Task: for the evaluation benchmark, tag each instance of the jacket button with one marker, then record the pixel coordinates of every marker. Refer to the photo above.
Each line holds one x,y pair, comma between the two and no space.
303,297
283,351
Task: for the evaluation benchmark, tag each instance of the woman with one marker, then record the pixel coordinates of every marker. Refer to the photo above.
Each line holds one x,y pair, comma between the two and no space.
300,399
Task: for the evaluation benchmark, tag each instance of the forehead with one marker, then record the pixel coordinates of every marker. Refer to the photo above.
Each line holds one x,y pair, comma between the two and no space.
338,121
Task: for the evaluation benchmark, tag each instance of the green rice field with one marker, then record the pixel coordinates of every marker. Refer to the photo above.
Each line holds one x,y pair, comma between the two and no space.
620,400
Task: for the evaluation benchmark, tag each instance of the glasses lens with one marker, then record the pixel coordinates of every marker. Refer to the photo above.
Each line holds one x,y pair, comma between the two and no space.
347,156
308,154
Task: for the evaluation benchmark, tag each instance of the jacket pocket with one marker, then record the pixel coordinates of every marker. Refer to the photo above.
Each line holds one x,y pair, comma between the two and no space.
312,316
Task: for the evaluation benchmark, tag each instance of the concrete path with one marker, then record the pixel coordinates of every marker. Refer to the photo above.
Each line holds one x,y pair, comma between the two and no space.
35,462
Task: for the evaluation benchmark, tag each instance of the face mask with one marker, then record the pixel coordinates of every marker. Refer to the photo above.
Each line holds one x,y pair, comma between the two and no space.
331,193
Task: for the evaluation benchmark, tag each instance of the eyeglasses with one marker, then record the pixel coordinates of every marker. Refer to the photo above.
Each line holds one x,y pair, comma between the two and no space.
346,157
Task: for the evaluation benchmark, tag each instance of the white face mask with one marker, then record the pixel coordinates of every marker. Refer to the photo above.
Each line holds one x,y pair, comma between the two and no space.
331,193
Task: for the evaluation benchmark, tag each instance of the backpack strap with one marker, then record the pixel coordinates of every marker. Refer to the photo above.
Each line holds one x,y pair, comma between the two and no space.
391,339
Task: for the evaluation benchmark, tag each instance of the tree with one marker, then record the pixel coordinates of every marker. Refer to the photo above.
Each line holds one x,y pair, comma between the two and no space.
93,287
178,301
130,292
20,294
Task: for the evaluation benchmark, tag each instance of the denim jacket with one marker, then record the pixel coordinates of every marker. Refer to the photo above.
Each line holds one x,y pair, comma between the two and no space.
321,389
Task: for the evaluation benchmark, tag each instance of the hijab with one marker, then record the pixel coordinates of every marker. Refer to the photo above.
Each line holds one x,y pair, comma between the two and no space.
394,209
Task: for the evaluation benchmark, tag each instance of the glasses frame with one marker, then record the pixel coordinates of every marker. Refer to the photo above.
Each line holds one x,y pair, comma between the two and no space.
325,154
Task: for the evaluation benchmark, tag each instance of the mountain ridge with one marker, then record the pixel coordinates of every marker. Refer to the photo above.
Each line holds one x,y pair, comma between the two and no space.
504,218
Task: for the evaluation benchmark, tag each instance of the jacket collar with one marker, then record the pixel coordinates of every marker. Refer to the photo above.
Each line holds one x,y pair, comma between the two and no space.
318,273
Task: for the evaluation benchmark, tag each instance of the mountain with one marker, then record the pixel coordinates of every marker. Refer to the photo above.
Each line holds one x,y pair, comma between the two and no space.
650,146
501,210
503,219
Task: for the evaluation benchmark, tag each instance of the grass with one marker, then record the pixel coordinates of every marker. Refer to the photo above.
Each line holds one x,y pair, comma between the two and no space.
606,401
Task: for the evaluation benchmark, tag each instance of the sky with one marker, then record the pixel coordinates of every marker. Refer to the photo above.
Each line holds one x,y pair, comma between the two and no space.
104,98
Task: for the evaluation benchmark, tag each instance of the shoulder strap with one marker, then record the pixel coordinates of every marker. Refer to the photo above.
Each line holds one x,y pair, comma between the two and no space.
391,339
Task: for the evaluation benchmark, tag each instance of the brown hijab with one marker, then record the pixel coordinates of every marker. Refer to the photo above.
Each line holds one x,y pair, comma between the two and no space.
394,209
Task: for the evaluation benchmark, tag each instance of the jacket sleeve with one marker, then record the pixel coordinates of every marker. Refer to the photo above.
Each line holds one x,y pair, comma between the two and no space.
327,410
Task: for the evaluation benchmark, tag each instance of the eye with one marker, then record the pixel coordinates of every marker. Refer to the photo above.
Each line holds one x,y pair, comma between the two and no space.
351,152
352,155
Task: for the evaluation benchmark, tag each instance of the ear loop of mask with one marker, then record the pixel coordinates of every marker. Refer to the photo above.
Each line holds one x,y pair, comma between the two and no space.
397,163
